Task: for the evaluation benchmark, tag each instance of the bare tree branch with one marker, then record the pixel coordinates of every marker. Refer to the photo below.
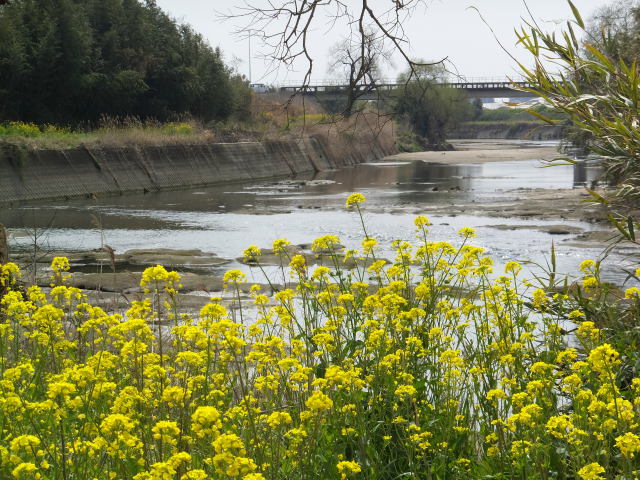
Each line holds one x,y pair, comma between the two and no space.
284,27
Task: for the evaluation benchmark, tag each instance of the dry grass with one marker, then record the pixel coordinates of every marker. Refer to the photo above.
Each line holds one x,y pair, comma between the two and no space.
283,117
273,116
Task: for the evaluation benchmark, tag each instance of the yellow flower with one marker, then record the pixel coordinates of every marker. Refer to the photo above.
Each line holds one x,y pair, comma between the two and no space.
318,402
588,330
26,470
347,468
229,442
559,426
496,393
279,245
629,444
60,389
9,272
326,242
574,314
540,299
376,267
591,472
173,396
451,357
512,267
604,357
60,264
632,293
298,264
542,368
205,421
520,448
355,199
590,282
296,436
587,266
234,276
24,443
467,232
195,475
528,415
368,244
166,431
254,476
251,253
151,274
213,311
421,221
278,418
404,391
568,355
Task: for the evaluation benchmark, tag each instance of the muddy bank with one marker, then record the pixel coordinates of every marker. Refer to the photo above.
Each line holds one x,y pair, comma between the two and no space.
468,154
522,202
103,271
94,171
506,130
543,204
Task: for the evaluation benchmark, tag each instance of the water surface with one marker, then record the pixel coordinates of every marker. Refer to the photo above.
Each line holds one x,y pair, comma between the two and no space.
225,219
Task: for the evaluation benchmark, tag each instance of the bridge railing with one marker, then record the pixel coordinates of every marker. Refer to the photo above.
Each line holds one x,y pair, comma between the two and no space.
392,81
381,87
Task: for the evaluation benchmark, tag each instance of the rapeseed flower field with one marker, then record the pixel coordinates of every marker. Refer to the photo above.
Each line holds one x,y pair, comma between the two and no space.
430,366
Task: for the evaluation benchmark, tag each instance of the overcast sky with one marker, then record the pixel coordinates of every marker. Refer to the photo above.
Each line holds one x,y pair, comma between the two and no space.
446,28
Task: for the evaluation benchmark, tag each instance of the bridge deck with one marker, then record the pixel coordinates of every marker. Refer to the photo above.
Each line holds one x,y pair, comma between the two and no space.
485,89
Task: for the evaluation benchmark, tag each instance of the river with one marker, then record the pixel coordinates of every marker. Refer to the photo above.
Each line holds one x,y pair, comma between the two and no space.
226,219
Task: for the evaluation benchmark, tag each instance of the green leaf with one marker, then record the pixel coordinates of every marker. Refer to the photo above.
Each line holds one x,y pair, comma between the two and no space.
573,37
560,161
540,116
619,226
576,14
597,196
553,256
600,56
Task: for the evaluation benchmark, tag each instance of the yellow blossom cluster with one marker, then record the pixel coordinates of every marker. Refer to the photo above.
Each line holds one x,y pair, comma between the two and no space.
424,366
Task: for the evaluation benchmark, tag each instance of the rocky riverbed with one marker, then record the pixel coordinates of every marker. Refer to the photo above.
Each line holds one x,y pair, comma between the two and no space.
517,208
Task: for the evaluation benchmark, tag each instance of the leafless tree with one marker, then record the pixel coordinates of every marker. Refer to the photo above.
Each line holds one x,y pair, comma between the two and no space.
359,64
284,26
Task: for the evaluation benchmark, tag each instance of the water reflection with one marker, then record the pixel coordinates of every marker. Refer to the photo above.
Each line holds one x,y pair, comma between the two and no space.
225,219
395,184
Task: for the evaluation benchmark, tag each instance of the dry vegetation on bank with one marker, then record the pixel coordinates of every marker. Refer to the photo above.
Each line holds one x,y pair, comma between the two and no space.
273,117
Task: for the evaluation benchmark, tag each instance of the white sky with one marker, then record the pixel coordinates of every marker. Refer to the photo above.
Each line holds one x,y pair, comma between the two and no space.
446,28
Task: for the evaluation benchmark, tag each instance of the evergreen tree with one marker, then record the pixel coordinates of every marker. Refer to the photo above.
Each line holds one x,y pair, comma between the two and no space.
73,61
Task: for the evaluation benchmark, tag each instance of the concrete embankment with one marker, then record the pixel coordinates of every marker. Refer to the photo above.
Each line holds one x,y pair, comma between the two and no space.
505,130
88,171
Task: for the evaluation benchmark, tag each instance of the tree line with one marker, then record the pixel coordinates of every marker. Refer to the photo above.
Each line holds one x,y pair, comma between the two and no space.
73,61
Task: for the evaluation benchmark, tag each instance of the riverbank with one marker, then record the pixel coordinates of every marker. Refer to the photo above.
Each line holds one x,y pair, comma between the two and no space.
93,171
522,202
498,188
497,130
474,151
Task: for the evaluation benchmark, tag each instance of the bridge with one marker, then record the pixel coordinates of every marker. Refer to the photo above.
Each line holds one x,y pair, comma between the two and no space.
474,88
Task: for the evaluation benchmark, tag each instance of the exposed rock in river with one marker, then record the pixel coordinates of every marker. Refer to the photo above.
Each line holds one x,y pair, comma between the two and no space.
550,229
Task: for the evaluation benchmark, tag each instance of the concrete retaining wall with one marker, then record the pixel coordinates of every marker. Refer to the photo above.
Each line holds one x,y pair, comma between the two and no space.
49,174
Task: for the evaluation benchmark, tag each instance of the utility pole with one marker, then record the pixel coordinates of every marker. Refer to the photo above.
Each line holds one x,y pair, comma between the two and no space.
249,55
